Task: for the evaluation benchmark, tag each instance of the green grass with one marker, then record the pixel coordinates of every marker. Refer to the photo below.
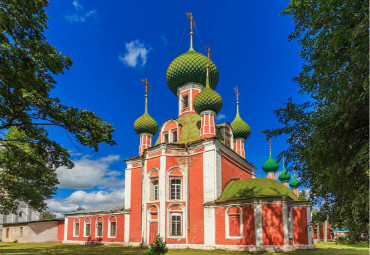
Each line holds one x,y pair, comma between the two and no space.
58,248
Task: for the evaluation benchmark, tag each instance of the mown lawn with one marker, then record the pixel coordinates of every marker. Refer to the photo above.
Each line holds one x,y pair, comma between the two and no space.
57,248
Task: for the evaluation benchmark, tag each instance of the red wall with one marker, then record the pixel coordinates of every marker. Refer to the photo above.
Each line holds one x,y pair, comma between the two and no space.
119,235
272,224
231,171
60,231
249,236
196,213
135,215
299,225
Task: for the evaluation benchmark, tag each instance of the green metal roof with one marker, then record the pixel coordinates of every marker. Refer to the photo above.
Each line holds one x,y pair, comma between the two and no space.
294,183
240,128
145,124
284,176
208,99
270,165
255,188
190,67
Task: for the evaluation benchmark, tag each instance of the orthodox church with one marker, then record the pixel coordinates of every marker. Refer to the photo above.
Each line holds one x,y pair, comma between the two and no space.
193,185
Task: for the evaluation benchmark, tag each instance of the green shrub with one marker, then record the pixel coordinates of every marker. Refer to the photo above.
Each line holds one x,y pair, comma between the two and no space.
15,241
158,246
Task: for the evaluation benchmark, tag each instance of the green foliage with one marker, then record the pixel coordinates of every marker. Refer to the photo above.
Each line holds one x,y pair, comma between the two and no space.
329,134
302,194
28,65
158,246
15,241
79,209
48,215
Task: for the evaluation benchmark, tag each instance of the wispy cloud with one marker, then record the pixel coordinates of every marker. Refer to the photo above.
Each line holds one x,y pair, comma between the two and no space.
80,14
220,117
164,40
89,173
135,51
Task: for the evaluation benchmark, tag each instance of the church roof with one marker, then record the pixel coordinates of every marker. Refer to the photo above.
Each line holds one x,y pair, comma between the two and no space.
103,208
255,188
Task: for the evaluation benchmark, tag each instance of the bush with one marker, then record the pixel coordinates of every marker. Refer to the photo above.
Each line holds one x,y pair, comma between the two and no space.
15,241
342,239
158,246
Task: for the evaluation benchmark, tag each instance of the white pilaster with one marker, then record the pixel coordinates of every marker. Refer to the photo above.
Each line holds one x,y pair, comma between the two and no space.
209,226
162,193
218,174
209,172
286,224
310,230
127,188
126,234
258,224
65,228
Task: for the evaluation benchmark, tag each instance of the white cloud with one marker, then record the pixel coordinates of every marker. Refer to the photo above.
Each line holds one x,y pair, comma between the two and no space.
220,116
80,14
87,200
135,50
89,173
164,40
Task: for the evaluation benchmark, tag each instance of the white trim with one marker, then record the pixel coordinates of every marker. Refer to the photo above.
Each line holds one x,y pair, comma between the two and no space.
286,224
126,234
258,224
210,226
127,189
109,226
310,230
250,248
209,173
96,227
162,192
85,223
227,222
76,220
66,228
183,223
149,221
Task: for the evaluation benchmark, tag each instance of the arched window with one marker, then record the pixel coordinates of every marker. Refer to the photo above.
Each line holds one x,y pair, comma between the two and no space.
155,190
76,227
87,230
176,221
99,227
20,214
234,222
112,227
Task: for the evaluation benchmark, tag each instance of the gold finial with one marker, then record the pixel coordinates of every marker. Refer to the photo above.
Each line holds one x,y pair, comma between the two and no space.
283,161
270,145
192,22
237,98
145,81
208,48
293,173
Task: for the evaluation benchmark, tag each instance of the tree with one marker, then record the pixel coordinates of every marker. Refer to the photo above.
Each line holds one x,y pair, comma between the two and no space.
79,209
48,215
28,65
303,194
329,134
158,246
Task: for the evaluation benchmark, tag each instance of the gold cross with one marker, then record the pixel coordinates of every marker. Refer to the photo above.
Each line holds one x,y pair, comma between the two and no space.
237,94
283,161
270,145
192,22
208,49
145,81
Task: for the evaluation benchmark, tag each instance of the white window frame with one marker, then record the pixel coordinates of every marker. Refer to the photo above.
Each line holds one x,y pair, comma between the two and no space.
85,225
175,136
170,193
110,227
96,227
183,101
181,225
227,223
76,221
20,231
154,184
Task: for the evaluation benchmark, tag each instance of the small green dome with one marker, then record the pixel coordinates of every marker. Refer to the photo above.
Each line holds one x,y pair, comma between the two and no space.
294,183
284,176
145,124
189,67
270,165
208,99
240,128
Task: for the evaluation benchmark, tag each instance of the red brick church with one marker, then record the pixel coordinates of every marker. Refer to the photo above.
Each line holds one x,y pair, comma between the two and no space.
193,185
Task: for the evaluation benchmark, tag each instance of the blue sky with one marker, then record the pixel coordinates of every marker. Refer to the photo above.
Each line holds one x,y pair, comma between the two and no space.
114,44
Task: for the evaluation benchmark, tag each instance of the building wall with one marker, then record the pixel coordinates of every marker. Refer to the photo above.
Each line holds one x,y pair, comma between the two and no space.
135,215
105,238
272,224
41,232
15,233
299,225
60,231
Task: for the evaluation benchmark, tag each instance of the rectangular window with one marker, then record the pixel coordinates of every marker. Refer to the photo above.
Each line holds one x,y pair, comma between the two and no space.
7,232
155,190
77,229
227,139
165,138
176,189
174,136
99,229
87,229
185,102
113,229
21,231
176,225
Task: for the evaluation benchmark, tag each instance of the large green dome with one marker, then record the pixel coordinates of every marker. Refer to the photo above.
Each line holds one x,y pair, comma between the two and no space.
189,67
284,176
146,124
208,99
240,128
294,183
270,165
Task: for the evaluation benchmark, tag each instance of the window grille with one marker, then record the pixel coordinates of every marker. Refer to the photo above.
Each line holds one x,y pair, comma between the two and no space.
87,229
176,189
113,228
176,225
99,229
174,136
185,102
155,190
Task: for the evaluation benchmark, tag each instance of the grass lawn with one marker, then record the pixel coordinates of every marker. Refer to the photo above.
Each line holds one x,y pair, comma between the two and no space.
57,248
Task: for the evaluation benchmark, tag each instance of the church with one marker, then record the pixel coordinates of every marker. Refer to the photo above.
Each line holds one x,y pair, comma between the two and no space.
194,185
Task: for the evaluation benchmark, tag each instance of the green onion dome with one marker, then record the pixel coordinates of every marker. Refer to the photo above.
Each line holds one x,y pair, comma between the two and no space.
146,124
270,165
189,67
284,176
240,128
208,99
294,183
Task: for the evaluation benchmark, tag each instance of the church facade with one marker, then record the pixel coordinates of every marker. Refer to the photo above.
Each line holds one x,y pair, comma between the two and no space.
193,185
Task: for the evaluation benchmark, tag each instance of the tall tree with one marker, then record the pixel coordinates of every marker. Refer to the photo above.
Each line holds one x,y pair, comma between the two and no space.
28,65
329,134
